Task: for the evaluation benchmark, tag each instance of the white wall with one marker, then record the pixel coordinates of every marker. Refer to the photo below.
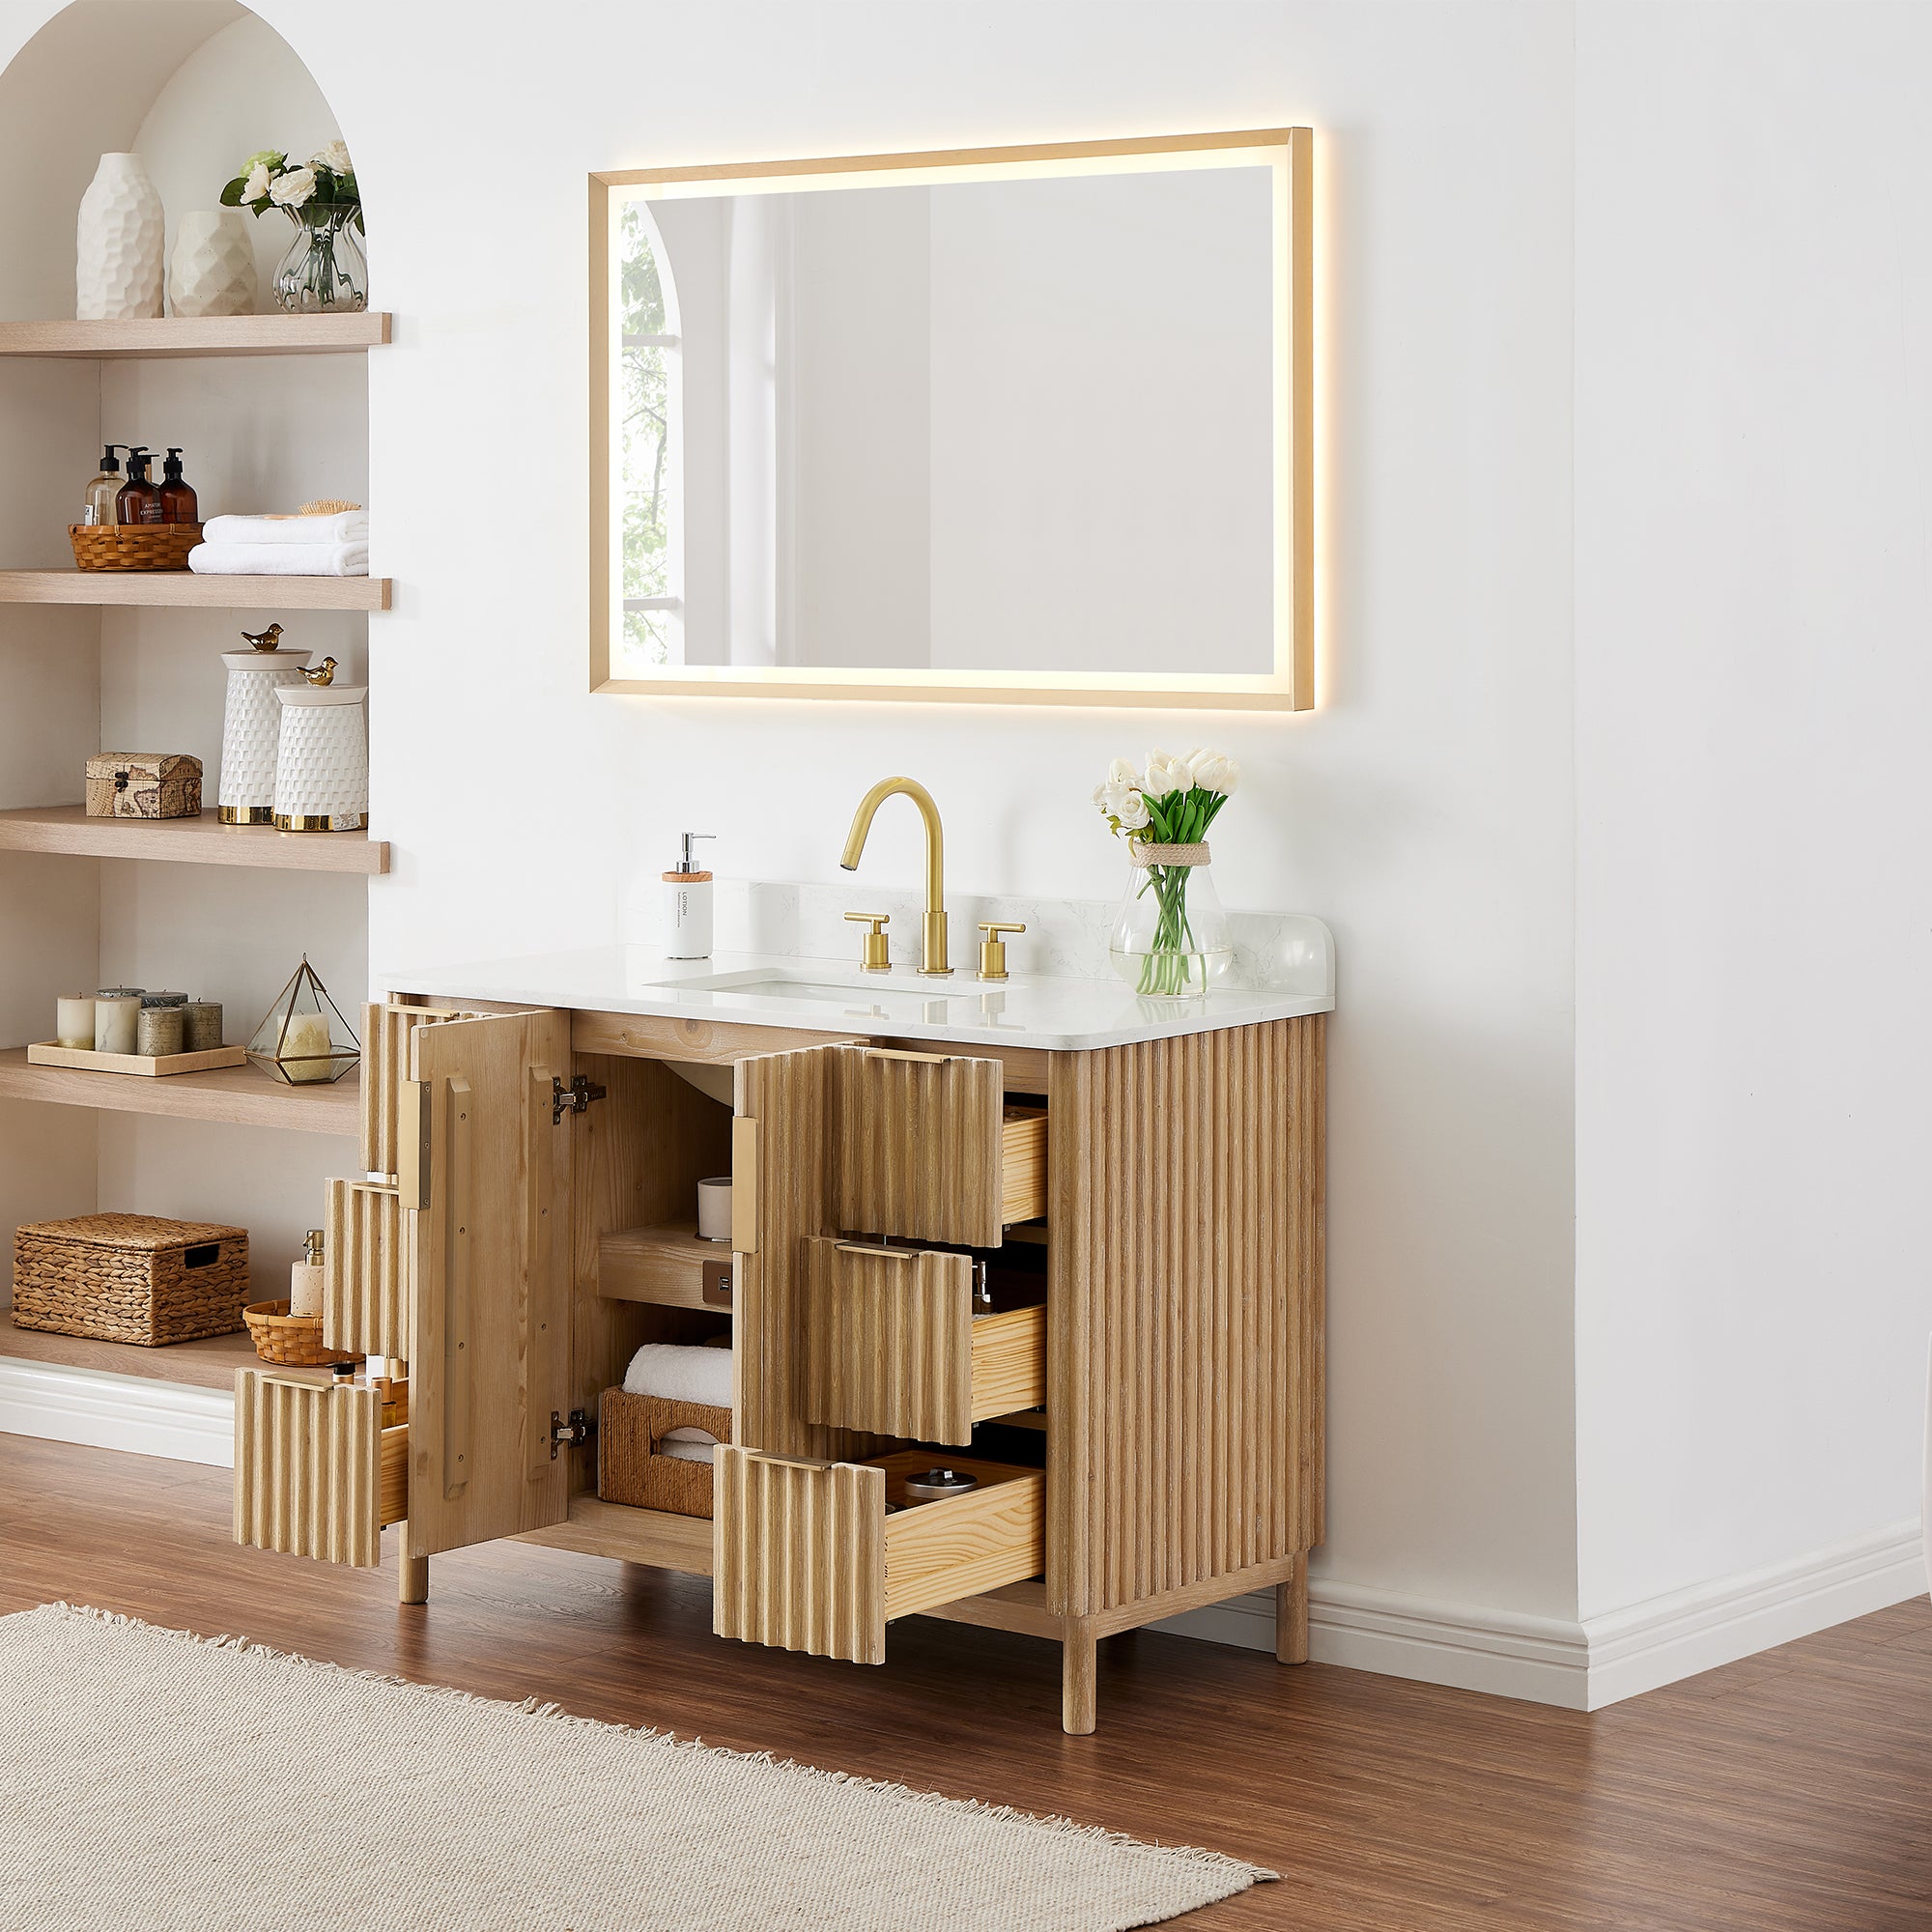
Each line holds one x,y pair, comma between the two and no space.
1754,907
1424,808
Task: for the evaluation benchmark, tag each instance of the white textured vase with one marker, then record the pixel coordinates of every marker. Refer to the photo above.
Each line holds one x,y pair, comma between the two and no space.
118,243
322,761
212,268
251,731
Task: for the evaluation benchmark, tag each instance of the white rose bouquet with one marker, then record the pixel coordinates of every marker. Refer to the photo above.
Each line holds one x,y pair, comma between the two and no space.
1169,947
323,268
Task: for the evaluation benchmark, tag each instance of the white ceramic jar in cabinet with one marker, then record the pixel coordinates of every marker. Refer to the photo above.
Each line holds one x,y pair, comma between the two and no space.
251,731
322,764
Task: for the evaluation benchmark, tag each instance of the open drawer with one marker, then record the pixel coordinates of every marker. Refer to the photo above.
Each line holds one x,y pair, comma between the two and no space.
316,1473
812,1556
893,1346
926,1148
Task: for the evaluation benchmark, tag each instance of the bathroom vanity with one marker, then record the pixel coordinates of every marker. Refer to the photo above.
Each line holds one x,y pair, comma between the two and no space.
1144,1179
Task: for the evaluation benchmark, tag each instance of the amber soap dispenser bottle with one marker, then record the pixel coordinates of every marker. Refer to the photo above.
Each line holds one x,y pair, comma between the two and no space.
140,497
179,504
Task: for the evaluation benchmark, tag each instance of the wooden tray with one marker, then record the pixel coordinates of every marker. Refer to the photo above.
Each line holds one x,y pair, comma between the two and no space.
48,1054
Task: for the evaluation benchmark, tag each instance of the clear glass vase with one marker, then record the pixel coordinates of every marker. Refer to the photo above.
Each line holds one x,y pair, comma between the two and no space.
324,266
1170,939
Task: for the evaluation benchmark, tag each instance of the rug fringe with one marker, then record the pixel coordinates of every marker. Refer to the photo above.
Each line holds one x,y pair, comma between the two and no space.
555,1713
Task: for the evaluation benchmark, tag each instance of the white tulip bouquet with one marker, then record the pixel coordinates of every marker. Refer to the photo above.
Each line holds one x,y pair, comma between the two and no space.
1164,812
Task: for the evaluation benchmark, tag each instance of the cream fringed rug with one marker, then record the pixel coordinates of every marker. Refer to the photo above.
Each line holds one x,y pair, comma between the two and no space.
155,1780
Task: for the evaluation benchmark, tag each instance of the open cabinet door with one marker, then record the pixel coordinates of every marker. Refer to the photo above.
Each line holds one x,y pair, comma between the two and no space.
485,1183
779,1144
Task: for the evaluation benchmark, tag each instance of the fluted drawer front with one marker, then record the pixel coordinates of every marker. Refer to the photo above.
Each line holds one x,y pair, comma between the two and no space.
923,1148
365,1306
385,1065
891,1345
316,1474
806,1556
799,1554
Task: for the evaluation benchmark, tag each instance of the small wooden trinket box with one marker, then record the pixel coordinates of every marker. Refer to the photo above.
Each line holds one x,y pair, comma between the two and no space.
143,785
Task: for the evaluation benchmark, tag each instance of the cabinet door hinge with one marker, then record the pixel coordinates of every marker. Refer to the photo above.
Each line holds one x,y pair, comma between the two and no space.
576,1098
577,1431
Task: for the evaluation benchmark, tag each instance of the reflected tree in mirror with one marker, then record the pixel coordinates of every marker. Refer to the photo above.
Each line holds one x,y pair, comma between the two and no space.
653,630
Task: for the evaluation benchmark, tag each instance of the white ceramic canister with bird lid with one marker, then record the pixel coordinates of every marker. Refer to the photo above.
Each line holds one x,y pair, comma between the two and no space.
322,761
252,729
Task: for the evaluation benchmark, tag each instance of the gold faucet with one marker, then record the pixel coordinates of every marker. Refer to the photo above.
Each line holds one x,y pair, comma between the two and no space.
933,949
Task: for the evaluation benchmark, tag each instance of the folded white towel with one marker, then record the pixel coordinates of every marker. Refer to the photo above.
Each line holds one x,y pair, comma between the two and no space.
342,527
686,1452
256,559
681,1373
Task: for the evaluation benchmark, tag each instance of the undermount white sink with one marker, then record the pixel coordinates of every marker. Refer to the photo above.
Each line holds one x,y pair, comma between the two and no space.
868,993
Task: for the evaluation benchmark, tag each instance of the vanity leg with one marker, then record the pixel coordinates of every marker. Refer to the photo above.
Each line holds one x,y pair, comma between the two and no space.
412,1574
1290,1615
1078,1655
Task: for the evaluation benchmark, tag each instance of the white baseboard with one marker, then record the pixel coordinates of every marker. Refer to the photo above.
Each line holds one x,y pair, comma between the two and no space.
1585,1665
103,1411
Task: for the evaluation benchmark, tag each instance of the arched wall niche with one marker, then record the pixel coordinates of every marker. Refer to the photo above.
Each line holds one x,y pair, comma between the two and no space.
190,85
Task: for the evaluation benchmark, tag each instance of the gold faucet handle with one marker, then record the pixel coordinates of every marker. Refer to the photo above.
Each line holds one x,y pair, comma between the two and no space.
993,948
878,947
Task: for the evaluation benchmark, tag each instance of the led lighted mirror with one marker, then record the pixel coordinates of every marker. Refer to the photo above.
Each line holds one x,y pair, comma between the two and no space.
1009,425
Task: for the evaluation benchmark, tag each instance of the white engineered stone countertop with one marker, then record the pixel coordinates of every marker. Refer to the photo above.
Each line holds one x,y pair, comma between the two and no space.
1284,967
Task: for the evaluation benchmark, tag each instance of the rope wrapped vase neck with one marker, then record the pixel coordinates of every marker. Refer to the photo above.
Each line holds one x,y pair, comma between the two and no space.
1141,852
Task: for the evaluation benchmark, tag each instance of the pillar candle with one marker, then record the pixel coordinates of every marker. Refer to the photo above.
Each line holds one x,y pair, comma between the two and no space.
115,1020
75,1026
203,1025
304,1048
159,1032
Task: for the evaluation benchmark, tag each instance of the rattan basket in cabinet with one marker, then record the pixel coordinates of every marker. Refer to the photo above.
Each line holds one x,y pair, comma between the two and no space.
631,1469
131,1278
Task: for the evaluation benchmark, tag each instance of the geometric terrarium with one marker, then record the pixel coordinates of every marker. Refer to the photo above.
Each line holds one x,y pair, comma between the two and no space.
304,1037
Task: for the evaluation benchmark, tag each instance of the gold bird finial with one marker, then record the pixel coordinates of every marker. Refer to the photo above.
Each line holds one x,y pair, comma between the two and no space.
322,674
264,640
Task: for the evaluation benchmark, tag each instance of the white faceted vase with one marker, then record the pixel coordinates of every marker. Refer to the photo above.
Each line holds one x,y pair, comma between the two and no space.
251,732
322,760
118,243
212,268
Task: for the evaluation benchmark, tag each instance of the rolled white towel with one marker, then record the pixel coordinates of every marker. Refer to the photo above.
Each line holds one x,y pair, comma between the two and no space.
681,1373
264,559
340,527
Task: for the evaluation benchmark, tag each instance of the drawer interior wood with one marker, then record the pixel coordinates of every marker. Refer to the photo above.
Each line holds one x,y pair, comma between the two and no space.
316,1471
670,1266
891,1344
807,1555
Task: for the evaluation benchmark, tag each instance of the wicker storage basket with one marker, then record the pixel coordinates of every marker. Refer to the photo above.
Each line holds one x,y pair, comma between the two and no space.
629,1467
131,1278
132,545
292,1341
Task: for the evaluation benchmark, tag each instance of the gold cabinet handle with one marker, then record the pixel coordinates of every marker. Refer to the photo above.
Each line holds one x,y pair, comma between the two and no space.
878,947
993,948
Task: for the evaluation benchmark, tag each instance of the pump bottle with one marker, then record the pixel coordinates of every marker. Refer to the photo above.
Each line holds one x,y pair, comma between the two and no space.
102,490
687,906
179,504
139,500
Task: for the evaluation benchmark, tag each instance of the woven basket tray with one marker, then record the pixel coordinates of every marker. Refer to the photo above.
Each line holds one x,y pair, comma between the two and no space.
131,1278
629,1469
292,1341
133,546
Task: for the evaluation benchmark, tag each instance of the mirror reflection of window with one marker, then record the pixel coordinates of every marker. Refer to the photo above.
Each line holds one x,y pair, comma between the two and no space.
650,430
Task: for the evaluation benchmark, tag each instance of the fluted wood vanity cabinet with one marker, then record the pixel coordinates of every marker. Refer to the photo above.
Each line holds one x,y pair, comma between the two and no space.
521,1231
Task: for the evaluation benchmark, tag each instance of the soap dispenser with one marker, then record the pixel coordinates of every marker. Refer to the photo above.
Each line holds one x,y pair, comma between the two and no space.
178,503
102,490
139,500
688,905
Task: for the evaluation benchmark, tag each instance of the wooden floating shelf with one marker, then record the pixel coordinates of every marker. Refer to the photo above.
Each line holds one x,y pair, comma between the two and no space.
199,336
665,1266
238,1094
195,841
179,589
210,1363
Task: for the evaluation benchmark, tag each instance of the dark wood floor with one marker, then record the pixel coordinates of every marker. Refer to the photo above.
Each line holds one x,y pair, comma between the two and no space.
1793,1790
